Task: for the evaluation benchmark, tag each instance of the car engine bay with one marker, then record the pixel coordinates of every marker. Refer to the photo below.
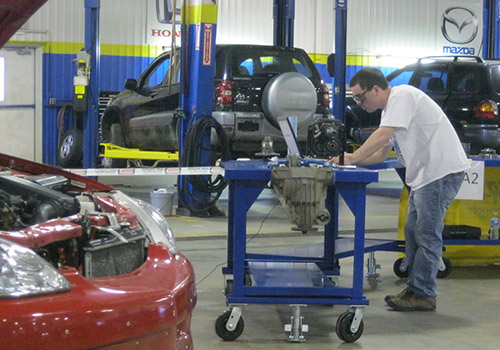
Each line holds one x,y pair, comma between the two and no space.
89,231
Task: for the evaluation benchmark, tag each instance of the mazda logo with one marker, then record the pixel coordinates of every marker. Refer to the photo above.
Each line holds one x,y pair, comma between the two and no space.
458,19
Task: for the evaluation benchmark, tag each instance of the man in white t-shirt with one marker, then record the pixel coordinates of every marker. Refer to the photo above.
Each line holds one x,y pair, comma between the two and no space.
435,161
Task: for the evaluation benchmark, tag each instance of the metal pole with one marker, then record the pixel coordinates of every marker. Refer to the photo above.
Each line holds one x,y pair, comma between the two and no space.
486,28
491,29
339,80
495,8
198,31
92,46
284,16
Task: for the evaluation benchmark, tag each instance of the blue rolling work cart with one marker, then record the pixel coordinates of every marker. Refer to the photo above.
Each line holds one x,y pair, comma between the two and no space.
303,277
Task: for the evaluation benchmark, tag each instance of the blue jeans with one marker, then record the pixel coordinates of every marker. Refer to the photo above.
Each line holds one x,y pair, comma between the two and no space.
423,231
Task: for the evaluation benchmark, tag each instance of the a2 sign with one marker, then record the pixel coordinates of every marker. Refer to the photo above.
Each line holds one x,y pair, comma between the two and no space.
473,185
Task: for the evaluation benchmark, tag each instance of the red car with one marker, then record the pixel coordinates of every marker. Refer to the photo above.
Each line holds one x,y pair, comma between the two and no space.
83,266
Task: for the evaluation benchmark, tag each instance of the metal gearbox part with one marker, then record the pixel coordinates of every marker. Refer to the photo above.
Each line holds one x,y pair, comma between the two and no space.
302,192
326,138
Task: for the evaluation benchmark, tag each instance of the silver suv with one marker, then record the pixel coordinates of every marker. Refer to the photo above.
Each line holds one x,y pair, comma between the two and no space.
255,85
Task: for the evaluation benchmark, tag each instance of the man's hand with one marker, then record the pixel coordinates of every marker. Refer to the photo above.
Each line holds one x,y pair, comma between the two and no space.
348,159
374,150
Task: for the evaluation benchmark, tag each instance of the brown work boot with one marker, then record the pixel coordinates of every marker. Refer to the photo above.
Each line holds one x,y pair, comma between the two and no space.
412,303
405,293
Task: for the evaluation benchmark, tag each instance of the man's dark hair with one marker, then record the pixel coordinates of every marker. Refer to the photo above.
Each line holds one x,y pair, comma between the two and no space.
369,77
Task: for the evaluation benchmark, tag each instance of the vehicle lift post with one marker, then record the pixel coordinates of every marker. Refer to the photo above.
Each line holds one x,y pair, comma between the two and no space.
198,32
491,29
339,79
92,47
284,16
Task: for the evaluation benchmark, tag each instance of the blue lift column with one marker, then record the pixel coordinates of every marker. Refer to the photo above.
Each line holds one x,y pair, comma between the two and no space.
91,119
486,28
339,80
284,16
496,25
198,29
491,29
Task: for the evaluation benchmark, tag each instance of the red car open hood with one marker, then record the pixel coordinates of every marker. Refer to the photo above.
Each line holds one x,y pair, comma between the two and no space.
13,14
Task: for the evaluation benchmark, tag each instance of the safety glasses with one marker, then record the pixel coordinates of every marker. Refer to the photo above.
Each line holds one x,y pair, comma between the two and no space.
359,98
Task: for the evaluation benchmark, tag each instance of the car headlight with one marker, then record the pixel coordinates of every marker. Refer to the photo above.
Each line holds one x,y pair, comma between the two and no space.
23,273
152,221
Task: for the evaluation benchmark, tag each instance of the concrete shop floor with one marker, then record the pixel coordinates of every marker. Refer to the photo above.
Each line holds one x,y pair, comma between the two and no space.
467,308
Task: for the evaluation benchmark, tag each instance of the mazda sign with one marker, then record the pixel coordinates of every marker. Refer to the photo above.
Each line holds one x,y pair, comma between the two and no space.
459,25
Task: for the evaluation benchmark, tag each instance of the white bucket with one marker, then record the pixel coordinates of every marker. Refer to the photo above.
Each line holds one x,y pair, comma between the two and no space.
163,200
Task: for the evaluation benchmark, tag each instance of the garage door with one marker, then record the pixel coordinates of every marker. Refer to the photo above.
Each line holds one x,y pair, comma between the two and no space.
17,102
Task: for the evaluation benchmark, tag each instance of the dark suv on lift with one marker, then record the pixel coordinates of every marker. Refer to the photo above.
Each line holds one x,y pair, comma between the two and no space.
466,87
254,85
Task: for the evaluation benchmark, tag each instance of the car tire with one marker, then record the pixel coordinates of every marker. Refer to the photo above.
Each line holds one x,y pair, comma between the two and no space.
116,138
70,150
289,94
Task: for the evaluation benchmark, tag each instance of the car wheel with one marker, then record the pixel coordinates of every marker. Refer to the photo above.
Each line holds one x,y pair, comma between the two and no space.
69,154
116,138
289,94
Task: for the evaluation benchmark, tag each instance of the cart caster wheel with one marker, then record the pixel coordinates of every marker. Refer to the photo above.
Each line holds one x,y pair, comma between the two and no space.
334,279
223,332
228,289
343,328
397,269
373,281
447,269
248,280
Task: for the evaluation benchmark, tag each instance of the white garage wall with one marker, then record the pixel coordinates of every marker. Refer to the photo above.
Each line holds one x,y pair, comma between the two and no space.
375,27
245,22
122,22
57,20
314,25
392,27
